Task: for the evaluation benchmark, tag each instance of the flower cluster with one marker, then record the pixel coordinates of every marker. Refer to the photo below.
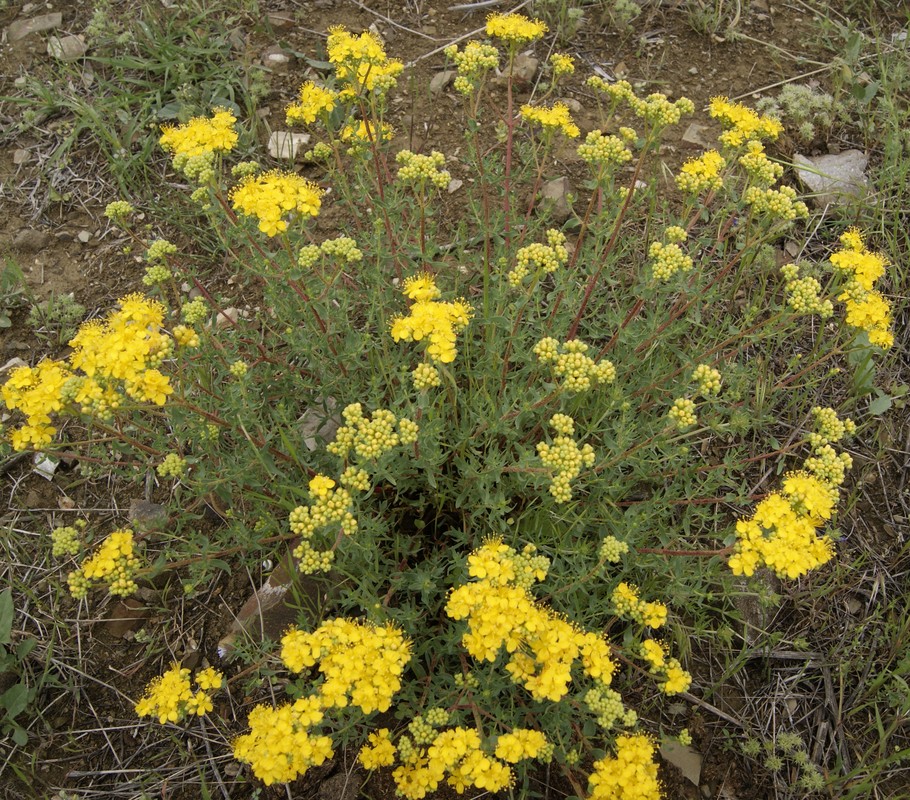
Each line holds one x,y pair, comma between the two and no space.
330,507
270,196
758,166
780,203
471,64
361,663
370,438
562,64
542,646
607,707
546,257
341,247
420,169
741,123
114,563
682,413
707,379
313,102
564,457
361,63
430,319
117,356
781,533
67,540
612,549
631,775
658,110
702,174
677,680
628,604
515,28
425,376
170,698
604,151
803,293
578,371
555,118
173,466
200,136
867,309
667,260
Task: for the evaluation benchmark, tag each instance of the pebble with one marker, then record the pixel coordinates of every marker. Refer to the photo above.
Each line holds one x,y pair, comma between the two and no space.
285,144
84,236
29,240
66,48
441,80
25,27
20,156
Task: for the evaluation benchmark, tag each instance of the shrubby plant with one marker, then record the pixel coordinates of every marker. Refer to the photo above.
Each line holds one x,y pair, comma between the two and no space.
532,441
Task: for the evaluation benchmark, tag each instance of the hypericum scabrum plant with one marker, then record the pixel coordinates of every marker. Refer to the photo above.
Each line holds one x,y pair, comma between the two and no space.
522,451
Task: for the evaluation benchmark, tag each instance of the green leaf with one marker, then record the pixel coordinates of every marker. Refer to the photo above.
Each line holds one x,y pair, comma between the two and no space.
25,647
6,615
14,700
881,404
20,736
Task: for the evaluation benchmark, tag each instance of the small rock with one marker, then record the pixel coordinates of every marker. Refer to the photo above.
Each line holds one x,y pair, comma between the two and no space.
277,60
66,48
554,195
13,363
693,70
834,179
281,20
525,67
29,240
684,758
228,317
284,144
25,27
441,80
695,135
318,425
45,466
572,104
454,185
84,236
429,30
20,155
147,516
125,616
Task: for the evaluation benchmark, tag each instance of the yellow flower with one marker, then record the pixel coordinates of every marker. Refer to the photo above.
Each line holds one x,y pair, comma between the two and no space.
515,28
312,102
380,752
742,123
201,135
556,117
272,195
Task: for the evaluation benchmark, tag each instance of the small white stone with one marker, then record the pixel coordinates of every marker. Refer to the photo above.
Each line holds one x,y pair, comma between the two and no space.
84,237
284,144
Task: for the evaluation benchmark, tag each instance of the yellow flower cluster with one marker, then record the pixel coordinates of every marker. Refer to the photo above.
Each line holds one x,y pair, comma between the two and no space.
702,174
555,118
497,562
515,28
562,64
114,563
682,413
631,775
471,63
270,196
677,680
67,540
117,356
370,438
658,110
380,752
758,166
430,319
420,169
612,549
667,260
781,533
185,336
279,746
360,62
780,203
547,257
707,379
201,135
361,133
628,604
330,507
542,646
425,376
803,293
520,744
312,103
456,752
173,466
578,371
565,458
621,90
170,697
361,663
867,309
604,151
741,123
